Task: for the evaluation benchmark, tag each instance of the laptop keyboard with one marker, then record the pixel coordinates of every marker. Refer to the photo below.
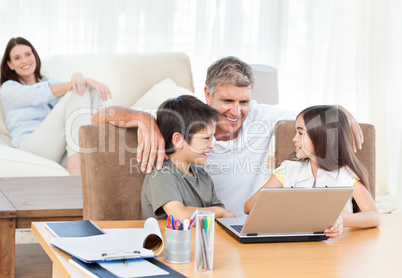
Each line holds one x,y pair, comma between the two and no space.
237,228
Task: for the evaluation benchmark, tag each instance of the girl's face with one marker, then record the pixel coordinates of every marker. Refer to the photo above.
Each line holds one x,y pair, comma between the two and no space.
23,62
303,144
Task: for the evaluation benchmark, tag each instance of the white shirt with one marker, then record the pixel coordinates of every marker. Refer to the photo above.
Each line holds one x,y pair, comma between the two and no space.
299,174
237,167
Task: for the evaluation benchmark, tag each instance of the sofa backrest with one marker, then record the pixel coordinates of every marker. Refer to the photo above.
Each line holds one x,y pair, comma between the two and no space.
128,76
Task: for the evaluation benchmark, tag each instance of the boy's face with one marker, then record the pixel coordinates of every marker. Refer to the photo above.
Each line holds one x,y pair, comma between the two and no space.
200,145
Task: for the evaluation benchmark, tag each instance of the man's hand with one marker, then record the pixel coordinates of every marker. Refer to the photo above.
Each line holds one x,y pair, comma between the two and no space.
356,129
151,145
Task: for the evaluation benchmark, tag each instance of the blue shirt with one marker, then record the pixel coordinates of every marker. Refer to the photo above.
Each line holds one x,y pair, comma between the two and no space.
26,106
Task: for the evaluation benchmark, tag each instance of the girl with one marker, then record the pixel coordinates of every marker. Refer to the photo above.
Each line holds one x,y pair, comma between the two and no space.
324,157
43,116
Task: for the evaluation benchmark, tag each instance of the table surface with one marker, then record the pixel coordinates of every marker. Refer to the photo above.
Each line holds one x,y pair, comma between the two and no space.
23,200
42,197
375,252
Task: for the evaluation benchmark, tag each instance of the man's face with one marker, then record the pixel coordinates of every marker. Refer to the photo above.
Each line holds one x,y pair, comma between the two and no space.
233,103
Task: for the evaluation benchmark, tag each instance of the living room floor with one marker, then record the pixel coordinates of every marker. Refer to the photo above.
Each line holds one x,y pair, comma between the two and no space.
31,261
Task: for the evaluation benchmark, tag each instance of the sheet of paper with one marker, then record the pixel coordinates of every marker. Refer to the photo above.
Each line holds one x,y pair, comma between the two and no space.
102,247
151,235
133,268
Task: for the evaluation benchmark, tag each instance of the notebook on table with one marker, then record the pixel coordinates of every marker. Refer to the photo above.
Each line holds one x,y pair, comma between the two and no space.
289,214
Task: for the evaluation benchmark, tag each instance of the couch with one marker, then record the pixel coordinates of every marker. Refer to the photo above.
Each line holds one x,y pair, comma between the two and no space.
139,81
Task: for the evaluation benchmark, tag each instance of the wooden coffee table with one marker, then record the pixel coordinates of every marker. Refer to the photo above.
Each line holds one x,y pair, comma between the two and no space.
26,200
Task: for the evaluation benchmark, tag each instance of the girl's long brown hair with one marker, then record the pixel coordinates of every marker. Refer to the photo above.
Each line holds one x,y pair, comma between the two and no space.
332,138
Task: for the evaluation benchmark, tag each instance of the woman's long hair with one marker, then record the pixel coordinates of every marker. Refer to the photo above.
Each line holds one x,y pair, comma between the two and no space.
9,74
332,138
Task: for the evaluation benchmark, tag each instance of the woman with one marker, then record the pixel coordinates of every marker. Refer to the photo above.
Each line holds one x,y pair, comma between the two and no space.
324,157
42,115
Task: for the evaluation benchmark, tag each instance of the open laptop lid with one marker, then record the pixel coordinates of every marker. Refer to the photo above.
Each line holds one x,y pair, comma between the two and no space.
296,210
290,214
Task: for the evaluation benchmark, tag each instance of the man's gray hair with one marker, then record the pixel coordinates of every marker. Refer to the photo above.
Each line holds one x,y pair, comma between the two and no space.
231,71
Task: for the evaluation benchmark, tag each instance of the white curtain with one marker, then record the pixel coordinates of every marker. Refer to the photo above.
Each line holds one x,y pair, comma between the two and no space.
344,52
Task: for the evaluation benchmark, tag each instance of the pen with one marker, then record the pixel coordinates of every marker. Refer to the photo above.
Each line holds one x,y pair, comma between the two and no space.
192,219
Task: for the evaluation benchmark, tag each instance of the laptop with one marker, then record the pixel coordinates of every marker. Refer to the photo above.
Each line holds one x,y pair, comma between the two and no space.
289,214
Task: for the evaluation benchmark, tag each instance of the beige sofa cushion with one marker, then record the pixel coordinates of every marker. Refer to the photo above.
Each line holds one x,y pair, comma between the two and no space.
17,163
160,92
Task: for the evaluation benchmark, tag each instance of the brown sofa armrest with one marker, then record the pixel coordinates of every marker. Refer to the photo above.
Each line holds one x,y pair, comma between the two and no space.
111,177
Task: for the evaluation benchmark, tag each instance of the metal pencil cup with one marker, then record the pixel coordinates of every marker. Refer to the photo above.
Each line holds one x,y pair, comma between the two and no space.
204,241
178,246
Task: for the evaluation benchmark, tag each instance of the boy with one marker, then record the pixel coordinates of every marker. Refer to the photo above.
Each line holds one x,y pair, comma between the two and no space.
188,127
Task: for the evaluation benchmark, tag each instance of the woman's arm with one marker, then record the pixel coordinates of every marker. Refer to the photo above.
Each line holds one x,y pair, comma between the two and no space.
60,89
368,215
272,182
15,94
181,212
77,84
102,89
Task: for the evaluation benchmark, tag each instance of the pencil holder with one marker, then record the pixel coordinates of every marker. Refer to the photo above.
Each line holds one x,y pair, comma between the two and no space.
178,246
204,241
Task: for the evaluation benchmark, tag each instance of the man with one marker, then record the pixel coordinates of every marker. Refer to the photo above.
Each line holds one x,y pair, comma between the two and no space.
237,163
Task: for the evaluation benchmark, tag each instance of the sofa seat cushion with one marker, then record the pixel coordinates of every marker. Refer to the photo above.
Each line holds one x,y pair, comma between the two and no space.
19,163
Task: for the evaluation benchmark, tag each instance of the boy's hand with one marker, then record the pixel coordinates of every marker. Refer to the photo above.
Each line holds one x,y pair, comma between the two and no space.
227,214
